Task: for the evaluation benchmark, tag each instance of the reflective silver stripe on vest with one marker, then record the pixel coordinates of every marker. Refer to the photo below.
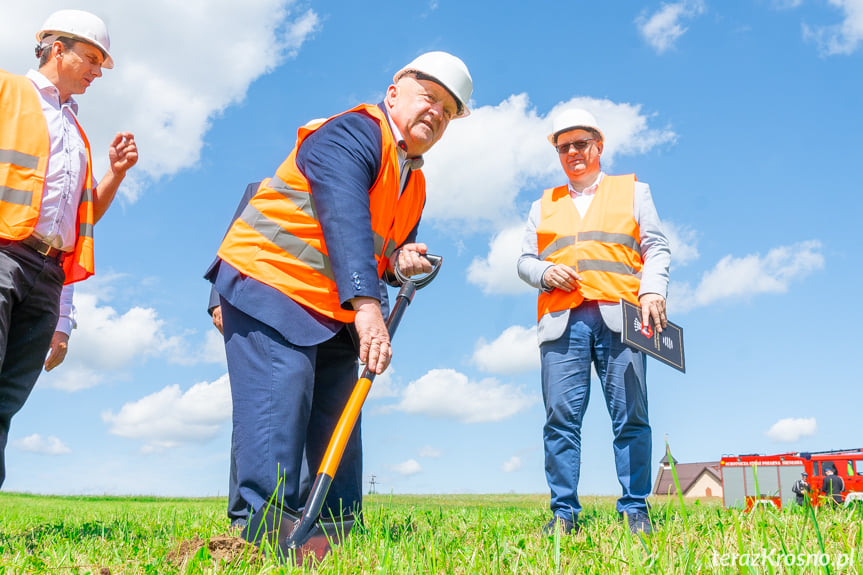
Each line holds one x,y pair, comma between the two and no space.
13,196
611,238
303,200
379,243
86,230
604,237
391,247
557,244
607,266
19,159
387,250
287,241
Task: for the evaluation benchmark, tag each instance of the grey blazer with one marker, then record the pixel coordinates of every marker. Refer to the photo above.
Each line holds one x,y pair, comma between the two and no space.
654,276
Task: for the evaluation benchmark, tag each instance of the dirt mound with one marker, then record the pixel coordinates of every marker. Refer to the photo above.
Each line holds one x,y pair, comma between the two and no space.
221,549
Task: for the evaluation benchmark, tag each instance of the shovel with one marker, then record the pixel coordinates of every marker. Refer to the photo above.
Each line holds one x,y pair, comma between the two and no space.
302,536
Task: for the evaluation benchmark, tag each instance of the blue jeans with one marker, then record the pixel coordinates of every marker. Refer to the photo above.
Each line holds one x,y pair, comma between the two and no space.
566,365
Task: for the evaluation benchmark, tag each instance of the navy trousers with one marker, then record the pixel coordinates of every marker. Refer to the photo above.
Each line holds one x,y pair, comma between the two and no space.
286,402
30,286
238,509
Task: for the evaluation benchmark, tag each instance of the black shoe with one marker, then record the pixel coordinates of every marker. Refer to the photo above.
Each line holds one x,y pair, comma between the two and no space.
561,523
639,522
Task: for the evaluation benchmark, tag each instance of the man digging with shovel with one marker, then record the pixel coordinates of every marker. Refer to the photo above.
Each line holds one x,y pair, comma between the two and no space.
298,273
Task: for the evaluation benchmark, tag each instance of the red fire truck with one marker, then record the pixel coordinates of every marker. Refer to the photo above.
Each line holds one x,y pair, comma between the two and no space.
751,480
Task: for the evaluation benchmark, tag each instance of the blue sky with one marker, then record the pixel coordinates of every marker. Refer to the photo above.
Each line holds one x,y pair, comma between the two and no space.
744,118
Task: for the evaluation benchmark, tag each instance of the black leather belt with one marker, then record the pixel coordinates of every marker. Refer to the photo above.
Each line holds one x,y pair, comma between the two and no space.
44,248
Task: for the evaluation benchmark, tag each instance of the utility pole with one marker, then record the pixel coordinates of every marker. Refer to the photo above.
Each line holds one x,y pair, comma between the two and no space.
372,484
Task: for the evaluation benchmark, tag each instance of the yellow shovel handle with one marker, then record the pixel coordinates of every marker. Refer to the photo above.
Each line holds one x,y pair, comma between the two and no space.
345,426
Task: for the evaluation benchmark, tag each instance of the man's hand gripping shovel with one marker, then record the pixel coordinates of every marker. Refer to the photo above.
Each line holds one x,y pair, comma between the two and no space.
301,536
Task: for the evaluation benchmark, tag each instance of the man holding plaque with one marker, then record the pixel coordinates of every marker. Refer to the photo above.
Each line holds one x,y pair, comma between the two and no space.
588,245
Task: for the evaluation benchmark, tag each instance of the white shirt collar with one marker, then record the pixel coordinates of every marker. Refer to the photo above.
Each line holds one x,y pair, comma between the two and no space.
47,88
589,190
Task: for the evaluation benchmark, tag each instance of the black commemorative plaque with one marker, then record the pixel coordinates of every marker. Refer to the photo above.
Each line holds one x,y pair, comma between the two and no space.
667,346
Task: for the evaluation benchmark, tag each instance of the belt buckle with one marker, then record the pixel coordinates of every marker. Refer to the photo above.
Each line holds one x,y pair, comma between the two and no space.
43,248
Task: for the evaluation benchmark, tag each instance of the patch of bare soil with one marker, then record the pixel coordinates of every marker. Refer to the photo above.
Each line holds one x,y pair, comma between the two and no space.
184,550
222,549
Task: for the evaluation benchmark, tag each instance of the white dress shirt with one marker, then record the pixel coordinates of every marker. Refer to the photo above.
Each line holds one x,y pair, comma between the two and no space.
583,199
67,167
64,181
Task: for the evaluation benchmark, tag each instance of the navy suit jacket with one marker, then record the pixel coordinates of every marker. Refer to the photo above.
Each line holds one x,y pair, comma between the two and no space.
341,160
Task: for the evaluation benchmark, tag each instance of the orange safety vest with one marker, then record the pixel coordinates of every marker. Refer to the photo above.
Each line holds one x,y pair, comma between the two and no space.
603,246
278,240
24,149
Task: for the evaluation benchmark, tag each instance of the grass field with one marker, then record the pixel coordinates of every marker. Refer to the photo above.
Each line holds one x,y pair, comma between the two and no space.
403,534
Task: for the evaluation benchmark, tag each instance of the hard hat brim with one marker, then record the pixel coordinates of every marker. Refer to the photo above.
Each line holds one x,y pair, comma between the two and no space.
552,138
107,63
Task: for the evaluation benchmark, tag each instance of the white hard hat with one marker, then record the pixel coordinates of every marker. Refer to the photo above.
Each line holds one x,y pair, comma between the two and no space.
572,119
448,71
79,25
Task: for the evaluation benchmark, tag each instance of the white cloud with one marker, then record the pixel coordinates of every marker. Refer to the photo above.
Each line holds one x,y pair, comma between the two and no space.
496,273
430,452
384,385
156,89
515,350
112,340
790,429
73,375
464,184
842,38
448,394
665,26
171,417
406,468
624,126
481,188
683,244
511,464
214,348
107,341
741,278
297,32
35,443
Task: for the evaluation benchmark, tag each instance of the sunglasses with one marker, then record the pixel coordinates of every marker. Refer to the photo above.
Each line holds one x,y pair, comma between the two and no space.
579,145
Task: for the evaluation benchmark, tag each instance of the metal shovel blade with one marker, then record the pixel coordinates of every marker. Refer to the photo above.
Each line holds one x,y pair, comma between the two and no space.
276,525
